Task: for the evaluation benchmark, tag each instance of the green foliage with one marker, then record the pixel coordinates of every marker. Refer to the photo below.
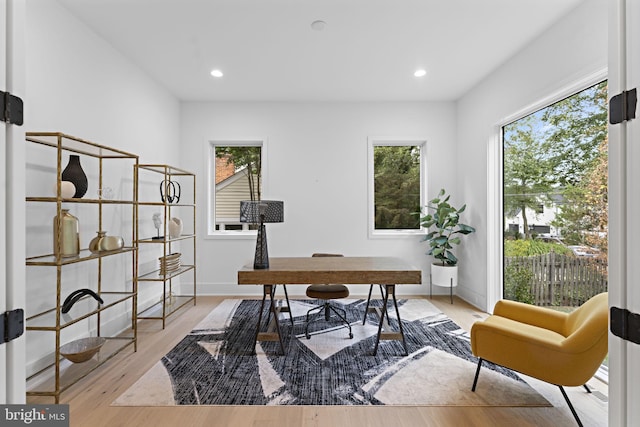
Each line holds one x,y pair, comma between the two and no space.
526,167
552,153
521,248
448,229
396,186
517,284
579,125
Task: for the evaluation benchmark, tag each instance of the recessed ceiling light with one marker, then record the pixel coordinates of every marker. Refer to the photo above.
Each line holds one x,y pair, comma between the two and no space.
420,72
318,25
216,73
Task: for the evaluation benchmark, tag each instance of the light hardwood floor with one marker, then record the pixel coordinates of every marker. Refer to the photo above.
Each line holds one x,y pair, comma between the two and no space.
90,398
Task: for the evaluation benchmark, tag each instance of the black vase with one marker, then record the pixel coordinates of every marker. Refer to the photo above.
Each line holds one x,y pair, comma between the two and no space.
74,173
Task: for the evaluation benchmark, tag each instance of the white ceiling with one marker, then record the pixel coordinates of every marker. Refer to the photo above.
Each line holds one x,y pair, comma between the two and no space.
367,52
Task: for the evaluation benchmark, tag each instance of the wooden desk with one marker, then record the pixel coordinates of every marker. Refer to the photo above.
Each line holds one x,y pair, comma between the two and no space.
385,271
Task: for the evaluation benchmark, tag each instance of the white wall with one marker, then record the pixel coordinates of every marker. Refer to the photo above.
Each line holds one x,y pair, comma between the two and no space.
317,163
76,83
572,49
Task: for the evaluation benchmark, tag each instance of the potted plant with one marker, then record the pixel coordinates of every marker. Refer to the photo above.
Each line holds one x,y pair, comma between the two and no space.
447,229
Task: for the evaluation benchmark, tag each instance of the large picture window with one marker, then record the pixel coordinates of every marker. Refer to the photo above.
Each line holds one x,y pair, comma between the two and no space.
236,175
555,202
396,186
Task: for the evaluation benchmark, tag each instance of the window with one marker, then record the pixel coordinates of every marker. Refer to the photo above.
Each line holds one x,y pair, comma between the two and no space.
397,183
556,157
236,175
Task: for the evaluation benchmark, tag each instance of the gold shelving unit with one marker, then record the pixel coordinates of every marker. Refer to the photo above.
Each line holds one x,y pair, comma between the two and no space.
169,303
58,375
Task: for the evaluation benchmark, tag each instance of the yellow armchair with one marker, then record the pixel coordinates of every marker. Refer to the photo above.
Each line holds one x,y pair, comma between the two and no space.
564,349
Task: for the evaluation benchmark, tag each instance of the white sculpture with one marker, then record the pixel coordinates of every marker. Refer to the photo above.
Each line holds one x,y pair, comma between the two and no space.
157,222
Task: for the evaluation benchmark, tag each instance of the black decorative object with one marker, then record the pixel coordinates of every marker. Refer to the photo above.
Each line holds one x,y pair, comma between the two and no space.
74,173
76,295
260,212
170,191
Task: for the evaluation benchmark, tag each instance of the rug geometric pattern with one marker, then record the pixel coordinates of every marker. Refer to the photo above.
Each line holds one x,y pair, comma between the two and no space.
214,364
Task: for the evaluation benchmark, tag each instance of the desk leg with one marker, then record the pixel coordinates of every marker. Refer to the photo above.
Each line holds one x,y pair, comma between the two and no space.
276,314
282,309
382,313
286,296
395,303
366,309
270,335
264,296
388,335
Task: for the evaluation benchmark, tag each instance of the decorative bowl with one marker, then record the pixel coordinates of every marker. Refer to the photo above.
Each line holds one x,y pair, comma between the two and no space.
83,349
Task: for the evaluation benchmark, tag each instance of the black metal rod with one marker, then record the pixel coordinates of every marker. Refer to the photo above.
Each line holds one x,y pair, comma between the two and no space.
451,290
382,295
286,296
275,319
384,304
265,289
366,309
475,380
395,303
573,411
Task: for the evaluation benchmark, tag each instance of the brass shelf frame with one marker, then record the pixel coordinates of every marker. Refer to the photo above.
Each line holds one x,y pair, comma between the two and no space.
160,310
59,375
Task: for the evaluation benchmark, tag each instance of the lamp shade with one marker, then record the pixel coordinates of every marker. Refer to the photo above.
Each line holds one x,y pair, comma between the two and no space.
261,211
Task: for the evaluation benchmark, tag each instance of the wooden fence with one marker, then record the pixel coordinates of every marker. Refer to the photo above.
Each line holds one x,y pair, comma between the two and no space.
563,280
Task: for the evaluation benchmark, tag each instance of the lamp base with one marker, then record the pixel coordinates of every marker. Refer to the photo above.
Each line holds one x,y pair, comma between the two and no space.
261,259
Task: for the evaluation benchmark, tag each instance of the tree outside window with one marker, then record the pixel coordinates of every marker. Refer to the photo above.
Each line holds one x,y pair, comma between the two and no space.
397,186
238,176
557,157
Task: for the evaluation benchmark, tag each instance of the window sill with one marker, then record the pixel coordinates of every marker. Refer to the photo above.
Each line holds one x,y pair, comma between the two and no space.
232,235
395,234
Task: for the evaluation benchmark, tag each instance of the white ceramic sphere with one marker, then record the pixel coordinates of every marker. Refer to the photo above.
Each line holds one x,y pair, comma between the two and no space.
68,189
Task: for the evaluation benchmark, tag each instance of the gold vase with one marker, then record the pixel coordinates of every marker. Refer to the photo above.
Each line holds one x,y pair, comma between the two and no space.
104,243
66,229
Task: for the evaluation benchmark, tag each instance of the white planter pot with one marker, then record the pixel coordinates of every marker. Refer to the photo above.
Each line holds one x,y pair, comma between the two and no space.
444,275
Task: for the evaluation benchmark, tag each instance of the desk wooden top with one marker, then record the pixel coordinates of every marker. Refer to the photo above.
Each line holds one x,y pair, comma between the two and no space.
319,270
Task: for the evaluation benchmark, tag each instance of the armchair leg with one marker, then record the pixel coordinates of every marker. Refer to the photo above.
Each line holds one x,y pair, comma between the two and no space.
573,411
475,380
586,387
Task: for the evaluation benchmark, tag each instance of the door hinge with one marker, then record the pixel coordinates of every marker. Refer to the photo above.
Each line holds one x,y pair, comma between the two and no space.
11,324
625,324
12,109
622,107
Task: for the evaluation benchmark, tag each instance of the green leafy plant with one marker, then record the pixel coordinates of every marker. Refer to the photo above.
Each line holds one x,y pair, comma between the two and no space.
517,284
524,248
448,229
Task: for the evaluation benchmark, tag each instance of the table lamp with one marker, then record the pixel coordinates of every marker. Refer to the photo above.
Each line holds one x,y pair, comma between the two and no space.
261,212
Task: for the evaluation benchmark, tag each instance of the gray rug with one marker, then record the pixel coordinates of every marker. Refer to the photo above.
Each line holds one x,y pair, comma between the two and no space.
213,365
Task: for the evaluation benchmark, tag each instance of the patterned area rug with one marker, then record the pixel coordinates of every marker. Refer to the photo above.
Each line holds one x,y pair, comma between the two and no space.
213,365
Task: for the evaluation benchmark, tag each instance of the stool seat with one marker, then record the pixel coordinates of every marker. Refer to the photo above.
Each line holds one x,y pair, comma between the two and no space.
326,292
